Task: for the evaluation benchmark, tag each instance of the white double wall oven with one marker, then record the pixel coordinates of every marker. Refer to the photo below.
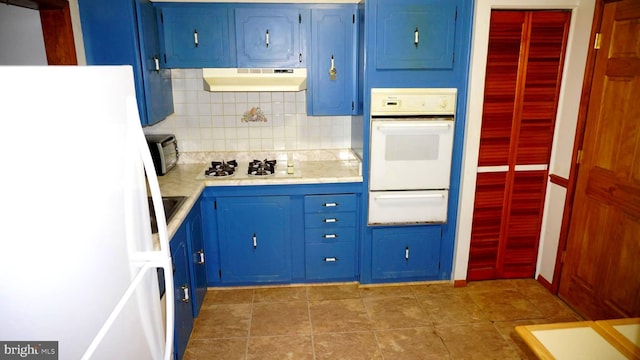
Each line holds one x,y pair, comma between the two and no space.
410,155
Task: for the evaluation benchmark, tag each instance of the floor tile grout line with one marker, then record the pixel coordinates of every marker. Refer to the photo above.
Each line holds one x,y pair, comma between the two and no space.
246,350
313,343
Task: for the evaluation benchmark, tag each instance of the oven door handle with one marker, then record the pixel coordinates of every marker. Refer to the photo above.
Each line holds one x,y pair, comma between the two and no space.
407,196
411,128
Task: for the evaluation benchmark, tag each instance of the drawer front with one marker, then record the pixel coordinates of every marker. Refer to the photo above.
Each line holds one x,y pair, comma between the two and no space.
330,220
331,261
329,203
330,236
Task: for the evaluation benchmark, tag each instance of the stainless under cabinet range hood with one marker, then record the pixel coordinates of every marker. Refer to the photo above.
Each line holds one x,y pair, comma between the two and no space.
249,79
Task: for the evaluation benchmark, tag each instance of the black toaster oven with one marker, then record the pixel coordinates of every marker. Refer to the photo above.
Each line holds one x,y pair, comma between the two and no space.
164,152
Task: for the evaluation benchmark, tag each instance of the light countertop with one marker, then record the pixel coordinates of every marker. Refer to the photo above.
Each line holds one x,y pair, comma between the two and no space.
310,167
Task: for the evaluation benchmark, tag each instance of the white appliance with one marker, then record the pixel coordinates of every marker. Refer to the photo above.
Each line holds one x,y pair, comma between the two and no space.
411,147
77,259
255,79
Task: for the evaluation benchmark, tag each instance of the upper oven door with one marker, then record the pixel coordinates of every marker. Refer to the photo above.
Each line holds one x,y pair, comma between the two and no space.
411,153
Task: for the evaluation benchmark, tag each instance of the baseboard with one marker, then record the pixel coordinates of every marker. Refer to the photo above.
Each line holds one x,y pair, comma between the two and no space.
544,282
459,283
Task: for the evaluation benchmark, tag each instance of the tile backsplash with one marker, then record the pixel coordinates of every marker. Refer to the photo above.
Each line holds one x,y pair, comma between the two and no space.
213,121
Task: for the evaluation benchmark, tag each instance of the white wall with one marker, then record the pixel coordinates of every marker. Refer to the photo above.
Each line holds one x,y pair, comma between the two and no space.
21,41
577,47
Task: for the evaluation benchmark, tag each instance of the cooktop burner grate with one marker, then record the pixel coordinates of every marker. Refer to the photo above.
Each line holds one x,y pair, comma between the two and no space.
221,168
262,168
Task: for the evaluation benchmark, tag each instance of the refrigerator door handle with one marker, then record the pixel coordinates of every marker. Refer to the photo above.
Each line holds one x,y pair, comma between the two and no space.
164,261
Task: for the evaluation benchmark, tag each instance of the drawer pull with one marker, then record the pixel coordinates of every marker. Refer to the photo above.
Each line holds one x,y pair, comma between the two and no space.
406,253
332,204
329,236
330,259
330,220
195,37
255,241
185,296
201,255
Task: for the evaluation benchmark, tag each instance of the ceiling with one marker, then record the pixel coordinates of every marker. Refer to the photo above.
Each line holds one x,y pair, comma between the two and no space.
39,4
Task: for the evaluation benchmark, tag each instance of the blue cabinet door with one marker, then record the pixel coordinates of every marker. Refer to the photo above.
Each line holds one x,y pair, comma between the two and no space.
197,36
413,34
255,239
332,67
197,264
158,92
405,253
269,36
124,32
182,291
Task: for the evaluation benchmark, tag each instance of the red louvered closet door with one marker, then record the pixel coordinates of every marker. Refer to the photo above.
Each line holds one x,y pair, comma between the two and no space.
523,75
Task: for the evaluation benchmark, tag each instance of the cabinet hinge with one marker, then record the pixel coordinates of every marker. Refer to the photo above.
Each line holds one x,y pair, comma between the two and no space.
353,19
598,41
353,106
165,58
579,157
455,18
161,17
220,273
299,18
562,256
215,205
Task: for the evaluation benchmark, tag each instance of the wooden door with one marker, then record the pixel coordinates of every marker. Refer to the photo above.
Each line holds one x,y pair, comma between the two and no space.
601,273
523,75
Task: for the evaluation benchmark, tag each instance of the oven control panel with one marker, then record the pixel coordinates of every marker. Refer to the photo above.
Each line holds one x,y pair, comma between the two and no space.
413,101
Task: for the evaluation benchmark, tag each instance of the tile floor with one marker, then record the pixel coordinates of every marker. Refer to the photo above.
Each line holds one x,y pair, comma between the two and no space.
347,321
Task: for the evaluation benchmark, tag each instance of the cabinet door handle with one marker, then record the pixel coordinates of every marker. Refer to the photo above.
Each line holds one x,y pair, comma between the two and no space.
330,259
266,38
330,220
406,253
156,62
201,254
331,204
329,236
185,297
255,241
416,37
332,70
195,37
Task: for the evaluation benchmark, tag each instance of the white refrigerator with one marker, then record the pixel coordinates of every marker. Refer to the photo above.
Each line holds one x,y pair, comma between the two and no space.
77,258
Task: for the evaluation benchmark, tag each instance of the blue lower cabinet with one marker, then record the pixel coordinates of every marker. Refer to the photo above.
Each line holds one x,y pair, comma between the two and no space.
197,263
330,237
330,261
182,291
255,239
406,253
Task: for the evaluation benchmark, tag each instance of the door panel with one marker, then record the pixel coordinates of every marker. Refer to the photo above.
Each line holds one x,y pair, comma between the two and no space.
600,274
523,76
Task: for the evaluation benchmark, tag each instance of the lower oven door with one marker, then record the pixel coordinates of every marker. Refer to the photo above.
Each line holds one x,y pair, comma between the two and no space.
410,154
408,207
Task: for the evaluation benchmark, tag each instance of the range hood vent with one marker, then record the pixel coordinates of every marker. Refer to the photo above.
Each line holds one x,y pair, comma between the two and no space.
248,79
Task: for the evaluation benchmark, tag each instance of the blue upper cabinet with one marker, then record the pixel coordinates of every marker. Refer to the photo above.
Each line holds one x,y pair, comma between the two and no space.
332,88
197,35
125,32
415,34
270,36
